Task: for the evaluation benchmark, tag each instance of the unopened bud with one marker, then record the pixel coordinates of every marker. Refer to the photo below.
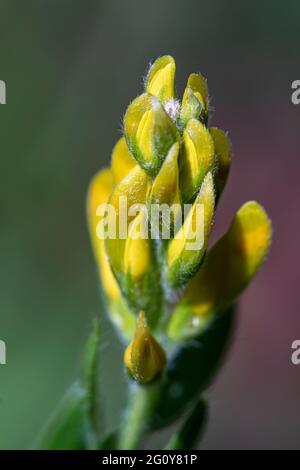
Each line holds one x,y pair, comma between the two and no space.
150,132
144,357
195,100
188,247
198,158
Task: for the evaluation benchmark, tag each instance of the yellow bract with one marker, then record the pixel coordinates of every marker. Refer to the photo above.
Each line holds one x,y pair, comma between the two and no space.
197,157
232,262
144,357
160,78
122,162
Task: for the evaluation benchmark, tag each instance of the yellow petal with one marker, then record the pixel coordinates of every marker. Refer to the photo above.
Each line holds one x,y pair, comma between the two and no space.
232,262
144,135
98,193
110,285
160,78
122,162
165,186
129,192
144,357
137,249
197,158
223,152
186,250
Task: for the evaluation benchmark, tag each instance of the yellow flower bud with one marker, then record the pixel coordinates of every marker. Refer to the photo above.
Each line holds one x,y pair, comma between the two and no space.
122,162
198,85
228,268
160,78
137,249
149,131
223,153
144,357
190,109
195,99
131,190
198,157
186,250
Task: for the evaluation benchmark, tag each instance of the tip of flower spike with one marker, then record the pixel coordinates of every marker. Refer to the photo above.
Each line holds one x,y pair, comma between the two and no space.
160,78
144,357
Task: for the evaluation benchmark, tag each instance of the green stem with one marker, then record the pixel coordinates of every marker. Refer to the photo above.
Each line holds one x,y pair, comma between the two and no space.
134,425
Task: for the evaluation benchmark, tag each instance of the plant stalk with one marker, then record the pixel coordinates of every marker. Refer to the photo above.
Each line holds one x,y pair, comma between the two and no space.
134,426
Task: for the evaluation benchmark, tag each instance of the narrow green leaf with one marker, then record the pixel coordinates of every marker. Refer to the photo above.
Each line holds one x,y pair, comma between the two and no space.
66,428
110,441
192,429
91,382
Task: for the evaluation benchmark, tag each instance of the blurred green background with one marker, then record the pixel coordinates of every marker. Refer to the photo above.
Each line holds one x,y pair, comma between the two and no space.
71,67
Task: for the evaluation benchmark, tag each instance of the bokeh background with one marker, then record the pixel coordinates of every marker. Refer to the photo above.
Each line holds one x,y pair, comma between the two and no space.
71,68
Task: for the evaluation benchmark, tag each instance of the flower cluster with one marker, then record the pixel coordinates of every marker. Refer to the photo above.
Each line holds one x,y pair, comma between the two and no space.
160,293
